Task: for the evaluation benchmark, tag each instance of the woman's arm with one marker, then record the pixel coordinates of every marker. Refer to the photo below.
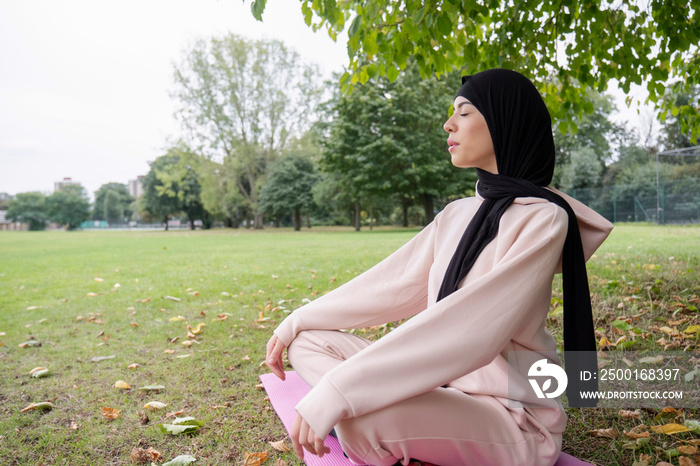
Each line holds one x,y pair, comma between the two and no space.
457,335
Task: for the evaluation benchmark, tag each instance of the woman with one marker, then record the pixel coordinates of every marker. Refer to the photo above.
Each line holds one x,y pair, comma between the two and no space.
476,283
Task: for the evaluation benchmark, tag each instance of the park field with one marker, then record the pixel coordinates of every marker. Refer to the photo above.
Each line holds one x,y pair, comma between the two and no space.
191,312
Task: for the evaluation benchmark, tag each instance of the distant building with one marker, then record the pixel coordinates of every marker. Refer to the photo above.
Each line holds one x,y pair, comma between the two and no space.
136,187
7,225
66,181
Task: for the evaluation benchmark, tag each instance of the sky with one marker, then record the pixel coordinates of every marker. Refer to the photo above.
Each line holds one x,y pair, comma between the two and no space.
84,84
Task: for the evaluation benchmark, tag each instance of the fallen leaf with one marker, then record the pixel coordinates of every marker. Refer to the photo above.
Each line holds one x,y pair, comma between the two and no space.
688,449
627,414
153,388
31,308
169,351
175,413
43,405
155,406
102,358
667,413
98,279
144,455
280,446
172,298
652,359
636,432
685,461
37,374
74,425
608,433
671,428
110,413
145,300
29,344
280,462
134,366
120,384
36,369
92,295
176,318
692,329
181,425
255,459
181,460
198,329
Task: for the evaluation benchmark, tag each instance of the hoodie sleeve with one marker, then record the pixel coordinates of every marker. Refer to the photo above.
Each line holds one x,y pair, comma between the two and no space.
453,337
394,289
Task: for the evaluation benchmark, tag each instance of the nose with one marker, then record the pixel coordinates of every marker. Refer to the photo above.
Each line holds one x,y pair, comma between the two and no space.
449,126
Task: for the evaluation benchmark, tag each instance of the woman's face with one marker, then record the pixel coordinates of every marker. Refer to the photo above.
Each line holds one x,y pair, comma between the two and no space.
470,141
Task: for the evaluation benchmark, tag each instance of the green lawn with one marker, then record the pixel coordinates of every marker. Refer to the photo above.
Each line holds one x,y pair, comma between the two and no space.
83,295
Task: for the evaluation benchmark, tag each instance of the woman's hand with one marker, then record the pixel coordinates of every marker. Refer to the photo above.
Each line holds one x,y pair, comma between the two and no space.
303,436
273,358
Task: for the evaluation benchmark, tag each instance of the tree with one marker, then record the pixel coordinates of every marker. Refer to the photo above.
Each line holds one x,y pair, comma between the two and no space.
69,206
676,129
157,200
29,208
386,140
585,43
583,170
113,203
241,101
172,186
288,187
5,200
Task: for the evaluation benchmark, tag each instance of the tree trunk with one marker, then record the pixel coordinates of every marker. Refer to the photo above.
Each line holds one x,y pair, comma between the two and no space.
277,220
357,216
191,224
371,217
166,223
404,206
297,219
308,220
259,219
429,208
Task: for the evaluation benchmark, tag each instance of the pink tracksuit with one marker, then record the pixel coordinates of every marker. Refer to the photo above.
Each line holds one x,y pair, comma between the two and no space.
437,388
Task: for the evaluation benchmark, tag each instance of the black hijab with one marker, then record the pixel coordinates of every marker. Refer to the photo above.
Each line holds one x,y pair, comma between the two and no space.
521,131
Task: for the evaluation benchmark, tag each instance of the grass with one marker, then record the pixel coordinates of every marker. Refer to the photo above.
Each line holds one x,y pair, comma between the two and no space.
241,284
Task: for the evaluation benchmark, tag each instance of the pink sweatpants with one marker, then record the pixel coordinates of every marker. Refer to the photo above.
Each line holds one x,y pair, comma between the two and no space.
444,426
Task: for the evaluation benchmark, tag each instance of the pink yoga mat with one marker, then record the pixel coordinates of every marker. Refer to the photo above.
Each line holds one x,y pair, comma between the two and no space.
285,395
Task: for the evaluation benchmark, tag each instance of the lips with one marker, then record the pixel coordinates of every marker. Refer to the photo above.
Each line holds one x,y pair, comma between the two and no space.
451,144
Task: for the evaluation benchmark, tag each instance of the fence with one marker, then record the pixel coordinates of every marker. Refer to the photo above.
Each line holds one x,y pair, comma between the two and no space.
676,201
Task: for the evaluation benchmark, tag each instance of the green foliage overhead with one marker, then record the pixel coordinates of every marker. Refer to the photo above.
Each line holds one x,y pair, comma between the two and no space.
29,208
582,43
68,206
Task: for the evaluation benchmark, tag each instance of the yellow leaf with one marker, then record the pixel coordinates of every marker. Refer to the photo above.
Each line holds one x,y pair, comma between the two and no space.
198,329
668,429
608,433
667,330
98,279
92,295
44,405
110,413
693,329
280,446
122,385
649,266
255,459
134,366
176,318
191,335
155,405
169,351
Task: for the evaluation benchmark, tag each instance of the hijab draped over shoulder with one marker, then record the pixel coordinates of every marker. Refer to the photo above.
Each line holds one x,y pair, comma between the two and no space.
521,130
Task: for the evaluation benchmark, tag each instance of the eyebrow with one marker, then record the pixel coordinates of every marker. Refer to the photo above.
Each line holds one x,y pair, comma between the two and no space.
464,102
